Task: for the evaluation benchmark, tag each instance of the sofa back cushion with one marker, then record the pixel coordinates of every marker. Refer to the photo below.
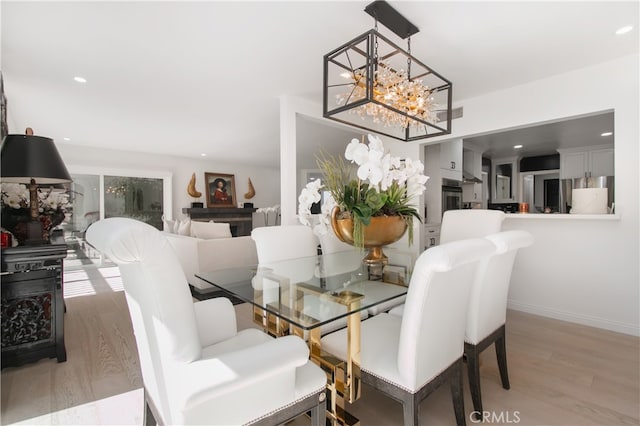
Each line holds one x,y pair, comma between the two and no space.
210,230
169,225
183,227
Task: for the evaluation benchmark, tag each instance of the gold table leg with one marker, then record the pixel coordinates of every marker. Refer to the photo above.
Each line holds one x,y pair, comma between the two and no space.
343,377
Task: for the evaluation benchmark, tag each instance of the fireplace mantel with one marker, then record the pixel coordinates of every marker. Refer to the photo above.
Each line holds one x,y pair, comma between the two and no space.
239,219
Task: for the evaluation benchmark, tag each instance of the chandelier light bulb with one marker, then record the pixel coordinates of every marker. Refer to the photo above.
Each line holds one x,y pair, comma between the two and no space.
392,88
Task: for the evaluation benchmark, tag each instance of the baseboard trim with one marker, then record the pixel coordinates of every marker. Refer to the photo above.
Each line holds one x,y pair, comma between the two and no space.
588,320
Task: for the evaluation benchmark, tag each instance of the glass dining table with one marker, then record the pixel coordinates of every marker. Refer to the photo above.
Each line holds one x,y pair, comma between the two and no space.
310,296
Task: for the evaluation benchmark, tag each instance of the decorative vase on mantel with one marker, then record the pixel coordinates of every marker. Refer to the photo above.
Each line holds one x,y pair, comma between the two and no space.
381,231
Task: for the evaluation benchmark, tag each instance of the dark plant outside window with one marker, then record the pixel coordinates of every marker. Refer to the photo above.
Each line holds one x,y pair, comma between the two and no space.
134,197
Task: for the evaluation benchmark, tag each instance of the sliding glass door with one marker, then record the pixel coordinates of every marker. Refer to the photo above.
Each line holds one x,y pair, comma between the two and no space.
111,193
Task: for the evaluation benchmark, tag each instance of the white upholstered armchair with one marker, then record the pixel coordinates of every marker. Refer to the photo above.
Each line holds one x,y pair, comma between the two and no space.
197,368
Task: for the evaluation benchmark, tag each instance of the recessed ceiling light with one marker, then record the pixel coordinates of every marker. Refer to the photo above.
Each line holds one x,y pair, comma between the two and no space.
67,139
203,155
80,79
517,146
624,29
606,134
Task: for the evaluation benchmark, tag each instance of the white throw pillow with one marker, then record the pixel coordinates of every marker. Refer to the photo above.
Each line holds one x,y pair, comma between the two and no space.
183,227
169,225
208,230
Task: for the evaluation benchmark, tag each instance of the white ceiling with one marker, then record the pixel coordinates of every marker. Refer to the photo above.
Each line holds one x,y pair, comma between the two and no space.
205,77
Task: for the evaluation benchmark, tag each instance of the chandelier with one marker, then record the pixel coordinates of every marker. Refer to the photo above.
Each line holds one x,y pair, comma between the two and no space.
373,84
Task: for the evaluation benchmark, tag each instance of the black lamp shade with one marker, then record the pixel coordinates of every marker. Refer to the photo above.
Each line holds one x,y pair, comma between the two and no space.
26,157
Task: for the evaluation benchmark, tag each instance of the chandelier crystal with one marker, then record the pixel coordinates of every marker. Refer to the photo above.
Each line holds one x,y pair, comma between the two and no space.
394,89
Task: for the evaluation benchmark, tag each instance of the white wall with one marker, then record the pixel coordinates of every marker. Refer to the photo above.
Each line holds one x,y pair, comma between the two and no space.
584,271
290,107
265,180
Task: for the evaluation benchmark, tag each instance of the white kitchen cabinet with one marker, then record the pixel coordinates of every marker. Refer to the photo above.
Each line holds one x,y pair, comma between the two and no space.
581,162
573,164
601,162
432,235
451,159
472,192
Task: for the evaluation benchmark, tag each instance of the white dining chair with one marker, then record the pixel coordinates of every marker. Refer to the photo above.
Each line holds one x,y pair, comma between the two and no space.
330,243
275,244
197,368
487,310
409,357
469,223
283,242
456,225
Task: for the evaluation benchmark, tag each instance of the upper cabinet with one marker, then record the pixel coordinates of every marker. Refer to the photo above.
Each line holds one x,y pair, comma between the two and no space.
451,159
586,162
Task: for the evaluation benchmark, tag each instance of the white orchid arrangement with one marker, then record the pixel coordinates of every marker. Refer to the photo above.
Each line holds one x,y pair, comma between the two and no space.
16,196
385,186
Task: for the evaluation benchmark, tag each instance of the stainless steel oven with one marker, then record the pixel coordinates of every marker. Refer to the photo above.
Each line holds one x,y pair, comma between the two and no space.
451,198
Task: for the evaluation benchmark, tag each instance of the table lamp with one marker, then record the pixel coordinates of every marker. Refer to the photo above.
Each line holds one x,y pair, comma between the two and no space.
32,160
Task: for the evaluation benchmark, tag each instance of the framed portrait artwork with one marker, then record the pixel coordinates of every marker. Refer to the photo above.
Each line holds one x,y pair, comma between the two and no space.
221,190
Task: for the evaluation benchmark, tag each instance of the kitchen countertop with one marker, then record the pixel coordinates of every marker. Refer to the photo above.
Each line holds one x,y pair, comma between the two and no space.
561,216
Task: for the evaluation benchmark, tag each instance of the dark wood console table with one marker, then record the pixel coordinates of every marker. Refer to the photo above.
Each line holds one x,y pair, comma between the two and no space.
32,304
239,219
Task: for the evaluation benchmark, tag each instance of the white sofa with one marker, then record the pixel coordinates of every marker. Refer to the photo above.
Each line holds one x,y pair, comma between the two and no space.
201,255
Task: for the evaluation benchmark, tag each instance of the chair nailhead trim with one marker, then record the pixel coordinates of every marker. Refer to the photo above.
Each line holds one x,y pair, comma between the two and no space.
289,405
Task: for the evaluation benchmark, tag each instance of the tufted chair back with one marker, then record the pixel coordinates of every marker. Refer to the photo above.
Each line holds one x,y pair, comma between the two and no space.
275,243
488,300
158,297
469,223
435,311
330,243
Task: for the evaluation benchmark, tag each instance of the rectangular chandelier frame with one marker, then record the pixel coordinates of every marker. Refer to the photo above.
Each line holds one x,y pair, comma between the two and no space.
352,96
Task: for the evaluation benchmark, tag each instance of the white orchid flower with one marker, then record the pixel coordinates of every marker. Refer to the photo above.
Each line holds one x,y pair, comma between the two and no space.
303,218
309,195
371,169
388,172
357,152
353,145
375,144
416,185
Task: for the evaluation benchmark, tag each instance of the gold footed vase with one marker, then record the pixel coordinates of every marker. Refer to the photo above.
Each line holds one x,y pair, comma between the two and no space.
382,230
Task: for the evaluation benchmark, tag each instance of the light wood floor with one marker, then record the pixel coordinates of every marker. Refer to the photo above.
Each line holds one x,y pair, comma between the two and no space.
561,373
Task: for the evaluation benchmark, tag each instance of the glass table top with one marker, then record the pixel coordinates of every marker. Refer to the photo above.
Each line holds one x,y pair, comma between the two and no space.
311,291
